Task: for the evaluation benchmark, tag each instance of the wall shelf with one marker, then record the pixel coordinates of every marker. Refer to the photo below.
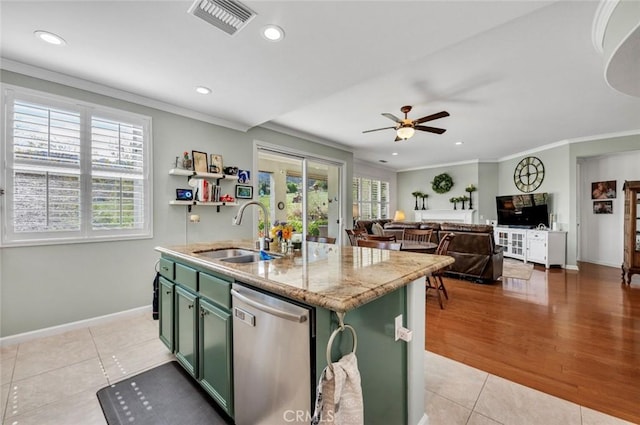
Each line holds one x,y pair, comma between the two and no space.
205,204
190,174
196,175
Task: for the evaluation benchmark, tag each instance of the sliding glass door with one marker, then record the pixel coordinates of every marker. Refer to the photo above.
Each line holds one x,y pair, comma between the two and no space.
302,191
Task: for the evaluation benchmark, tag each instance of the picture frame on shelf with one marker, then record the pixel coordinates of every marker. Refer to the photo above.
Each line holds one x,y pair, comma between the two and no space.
244,191
215,163
200,162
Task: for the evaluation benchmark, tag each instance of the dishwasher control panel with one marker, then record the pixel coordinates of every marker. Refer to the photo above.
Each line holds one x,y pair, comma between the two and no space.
244,316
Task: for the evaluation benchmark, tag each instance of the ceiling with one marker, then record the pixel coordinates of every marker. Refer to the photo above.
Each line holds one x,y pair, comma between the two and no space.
514,75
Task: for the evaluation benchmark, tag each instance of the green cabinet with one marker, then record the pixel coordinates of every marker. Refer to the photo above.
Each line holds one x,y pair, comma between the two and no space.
215,356
186,321
165,294
195,323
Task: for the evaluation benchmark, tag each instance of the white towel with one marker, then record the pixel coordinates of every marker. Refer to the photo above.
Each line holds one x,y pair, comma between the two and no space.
339,396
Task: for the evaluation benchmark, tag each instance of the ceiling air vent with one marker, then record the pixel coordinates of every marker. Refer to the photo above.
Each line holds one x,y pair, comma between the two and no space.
228,15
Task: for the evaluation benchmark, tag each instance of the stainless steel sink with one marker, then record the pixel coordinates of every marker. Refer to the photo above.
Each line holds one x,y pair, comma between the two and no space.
234,255
251,258
227,253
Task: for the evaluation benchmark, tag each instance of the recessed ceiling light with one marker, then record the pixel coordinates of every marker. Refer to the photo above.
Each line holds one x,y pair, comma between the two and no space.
50,38
459,143
203,90
395,154
273,33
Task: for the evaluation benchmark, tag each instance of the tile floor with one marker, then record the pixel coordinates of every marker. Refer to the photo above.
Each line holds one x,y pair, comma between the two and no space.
53,380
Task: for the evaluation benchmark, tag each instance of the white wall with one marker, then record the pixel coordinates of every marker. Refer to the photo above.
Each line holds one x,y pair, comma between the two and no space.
44,286
601,235
461,174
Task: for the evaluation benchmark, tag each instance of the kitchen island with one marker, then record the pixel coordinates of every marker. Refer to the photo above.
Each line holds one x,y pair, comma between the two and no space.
367,287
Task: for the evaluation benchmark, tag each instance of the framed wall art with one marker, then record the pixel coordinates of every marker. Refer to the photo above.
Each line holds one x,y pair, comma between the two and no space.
200,163
603,190
244,192
603,207
244,176
215,163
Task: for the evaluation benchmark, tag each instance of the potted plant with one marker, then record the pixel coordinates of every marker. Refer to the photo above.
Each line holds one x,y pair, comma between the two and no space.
470,189
186,161
454,201
463,199
417,194
424,197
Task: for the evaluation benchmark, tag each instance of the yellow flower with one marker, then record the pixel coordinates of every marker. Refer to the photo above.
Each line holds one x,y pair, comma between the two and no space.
282,231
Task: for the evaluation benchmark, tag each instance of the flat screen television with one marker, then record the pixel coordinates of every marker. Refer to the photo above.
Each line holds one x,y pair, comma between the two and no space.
526,211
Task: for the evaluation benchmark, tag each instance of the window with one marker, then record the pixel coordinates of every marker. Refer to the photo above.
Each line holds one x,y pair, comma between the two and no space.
371,197
74,172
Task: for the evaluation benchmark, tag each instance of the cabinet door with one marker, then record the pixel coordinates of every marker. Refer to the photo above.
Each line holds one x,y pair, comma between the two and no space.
215,371
186,330
166,312
502,238
537,250
516,245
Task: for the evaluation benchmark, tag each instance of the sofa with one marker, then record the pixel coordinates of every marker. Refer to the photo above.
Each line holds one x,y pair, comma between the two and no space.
477,256
396,228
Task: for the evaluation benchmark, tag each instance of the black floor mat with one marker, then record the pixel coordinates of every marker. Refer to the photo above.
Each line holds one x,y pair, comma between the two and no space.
164,395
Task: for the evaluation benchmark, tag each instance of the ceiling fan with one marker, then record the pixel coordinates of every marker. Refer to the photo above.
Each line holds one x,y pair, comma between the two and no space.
406,128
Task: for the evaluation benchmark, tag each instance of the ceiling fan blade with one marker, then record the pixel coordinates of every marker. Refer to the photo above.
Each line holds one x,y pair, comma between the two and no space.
377,129
392,117
432,117
430,129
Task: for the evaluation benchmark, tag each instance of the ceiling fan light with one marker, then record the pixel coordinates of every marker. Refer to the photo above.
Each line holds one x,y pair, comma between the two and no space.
405,132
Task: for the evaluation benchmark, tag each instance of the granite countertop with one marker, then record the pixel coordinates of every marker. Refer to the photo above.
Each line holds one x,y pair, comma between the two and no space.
338,278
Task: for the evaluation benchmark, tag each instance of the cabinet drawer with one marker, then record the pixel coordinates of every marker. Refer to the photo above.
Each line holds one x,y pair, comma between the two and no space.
215,289
167,268
536,235
186,276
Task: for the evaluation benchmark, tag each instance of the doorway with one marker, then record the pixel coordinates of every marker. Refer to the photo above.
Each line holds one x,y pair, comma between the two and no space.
302,191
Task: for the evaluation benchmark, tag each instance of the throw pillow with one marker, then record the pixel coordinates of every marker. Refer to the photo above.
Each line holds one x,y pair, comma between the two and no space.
377,230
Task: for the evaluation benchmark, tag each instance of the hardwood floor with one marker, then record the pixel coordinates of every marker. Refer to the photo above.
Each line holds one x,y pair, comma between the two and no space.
575,335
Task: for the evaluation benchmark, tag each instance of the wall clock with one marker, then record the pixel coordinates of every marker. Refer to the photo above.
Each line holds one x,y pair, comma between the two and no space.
528,174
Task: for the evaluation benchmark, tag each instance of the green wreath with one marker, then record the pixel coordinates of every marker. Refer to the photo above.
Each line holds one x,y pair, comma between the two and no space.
442,183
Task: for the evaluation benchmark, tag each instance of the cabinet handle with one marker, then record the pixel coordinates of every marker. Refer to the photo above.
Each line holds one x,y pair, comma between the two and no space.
168,292
203,312
165,268
190,306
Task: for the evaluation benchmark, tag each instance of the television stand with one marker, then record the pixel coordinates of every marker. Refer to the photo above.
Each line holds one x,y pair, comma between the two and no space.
546,247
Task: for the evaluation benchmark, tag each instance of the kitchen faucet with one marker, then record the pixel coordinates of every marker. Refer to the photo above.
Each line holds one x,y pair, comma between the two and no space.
238,219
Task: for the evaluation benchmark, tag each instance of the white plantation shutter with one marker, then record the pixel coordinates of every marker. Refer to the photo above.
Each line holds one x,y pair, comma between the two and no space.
74,172
117,169
372,198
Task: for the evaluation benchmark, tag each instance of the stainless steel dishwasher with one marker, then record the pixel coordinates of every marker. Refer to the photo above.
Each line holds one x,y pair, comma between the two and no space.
272,359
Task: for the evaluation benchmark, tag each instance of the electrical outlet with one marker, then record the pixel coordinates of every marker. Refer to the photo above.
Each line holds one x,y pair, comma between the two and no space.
405,334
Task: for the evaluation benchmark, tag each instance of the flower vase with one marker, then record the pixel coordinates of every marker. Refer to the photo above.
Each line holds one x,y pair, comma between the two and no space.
423,207
186,164
455,205
462,205
416,207
470,202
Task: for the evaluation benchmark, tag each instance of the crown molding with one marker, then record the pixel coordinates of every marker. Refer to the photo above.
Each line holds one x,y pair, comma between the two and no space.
79,83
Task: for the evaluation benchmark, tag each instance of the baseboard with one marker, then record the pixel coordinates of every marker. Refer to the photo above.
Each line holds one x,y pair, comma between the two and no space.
424,420
59,329
571,267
